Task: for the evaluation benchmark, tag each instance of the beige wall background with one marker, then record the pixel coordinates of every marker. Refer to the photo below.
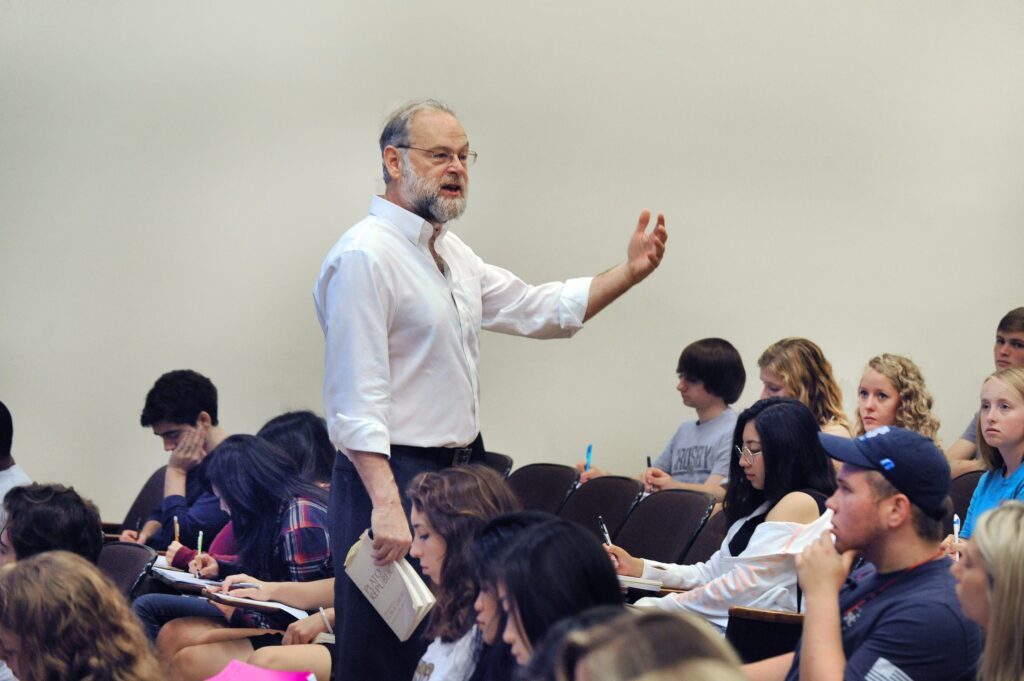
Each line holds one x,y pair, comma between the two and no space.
171,176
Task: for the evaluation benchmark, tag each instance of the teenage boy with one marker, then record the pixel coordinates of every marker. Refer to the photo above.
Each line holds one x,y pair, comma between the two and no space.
898,617
49,518
181,408
711,377
1008,352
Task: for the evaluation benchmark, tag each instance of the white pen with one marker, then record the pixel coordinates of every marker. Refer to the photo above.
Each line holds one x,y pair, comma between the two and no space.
604,531
956,533
327,623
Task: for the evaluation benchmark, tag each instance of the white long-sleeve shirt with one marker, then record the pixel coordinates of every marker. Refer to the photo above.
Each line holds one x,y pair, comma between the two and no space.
402,338
763,575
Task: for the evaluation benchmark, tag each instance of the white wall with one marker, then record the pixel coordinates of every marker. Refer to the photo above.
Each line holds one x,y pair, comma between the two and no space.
172,174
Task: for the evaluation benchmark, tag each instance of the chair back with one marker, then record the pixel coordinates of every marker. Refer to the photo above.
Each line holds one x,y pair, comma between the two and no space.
126,564
708,540
961,489
611,496
543,486
148,498
499,462
758,634
662,525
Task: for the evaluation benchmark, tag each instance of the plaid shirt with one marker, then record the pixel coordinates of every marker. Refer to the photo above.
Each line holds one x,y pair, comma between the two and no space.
302,553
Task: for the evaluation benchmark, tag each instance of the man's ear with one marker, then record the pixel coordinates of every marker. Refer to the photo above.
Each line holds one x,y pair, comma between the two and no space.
204,420
899,511
393,162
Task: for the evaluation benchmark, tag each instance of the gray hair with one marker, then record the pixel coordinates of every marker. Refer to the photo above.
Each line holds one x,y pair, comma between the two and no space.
396,128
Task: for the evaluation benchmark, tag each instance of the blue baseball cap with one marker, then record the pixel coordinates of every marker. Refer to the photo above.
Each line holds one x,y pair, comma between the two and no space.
909,461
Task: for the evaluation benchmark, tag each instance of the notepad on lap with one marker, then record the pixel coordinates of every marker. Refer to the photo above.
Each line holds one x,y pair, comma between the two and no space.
395,590
183,581
269,607
627,582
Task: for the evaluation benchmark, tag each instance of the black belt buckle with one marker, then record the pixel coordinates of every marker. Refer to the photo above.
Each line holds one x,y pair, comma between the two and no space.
461,456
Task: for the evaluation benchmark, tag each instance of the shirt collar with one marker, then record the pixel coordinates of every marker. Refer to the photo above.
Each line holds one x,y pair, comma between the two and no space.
412,226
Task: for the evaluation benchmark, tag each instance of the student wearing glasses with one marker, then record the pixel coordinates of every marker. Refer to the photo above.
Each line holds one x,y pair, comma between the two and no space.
779,479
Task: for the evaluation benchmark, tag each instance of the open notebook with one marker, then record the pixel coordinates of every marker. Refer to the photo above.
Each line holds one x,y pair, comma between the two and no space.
395,590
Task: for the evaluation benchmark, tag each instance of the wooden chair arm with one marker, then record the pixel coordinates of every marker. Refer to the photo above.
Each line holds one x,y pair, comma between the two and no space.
763,615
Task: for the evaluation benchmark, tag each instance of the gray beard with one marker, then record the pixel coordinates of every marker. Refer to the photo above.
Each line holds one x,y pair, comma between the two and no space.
425,201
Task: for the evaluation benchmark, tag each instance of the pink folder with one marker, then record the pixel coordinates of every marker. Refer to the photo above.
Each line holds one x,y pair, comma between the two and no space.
240,671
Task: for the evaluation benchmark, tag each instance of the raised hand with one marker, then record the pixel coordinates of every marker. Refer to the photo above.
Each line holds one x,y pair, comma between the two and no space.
645,250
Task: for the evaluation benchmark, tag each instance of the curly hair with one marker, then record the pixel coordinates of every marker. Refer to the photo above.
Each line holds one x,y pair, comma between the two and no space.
178,397
71,622
999,537
807,376
458,502
45,517
914,410
1013,378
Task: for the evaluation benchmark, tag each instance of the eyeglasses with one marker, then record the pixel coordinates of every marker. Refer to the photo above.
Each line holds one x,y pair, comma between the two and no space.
747,454
443,156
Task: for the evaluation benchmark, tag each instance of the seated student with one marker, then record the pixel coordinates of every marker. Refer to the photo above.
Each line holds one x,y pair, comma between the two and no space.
892,393
711,377
990,585
897,618
547,654
181,408
630,647
551,571
1008,352
281,529
779,479
11,474
61,619
49,518
797,368
302,435
496,662
1001,443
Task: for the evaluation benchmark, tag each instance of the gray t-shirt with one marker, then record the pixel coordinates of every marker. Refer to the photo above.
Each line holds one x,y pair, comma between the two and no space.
971,434
698,450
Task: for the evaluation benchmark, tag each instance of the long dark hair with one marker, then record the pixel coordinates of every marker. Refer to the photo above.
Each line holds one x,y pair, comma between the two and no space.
793,456
555,570
303,436
458,502
257,481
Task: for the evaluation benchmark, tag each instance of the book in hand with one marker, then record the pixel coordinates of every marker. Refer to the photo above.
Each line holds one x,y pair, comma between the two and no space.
395,590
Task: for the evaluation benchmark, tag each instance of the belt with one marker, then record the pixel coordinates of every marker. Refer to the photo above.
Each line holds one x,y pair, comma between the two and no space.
443,456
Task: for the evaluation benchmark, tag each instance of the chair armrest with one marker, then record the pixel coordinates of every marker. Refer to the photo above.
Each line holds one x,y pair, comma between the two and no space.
763,615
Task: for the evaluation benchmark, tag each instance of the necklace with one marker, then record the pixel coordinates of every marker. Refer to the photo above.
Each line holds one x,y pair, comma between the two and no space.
852,614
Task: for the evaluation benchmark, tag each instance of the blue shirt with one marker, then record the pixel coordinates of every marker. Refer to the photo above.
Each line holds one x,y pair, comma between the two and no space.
993,489
896,628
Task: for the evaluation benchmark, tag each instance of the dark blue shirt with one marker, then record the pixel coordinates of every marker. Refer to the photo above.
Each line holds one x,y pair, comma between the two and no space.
912,629
198,510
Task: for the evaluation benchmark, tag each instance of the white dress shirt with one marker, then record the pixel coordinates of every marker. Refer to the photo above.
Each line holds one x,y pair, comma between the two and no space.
403,339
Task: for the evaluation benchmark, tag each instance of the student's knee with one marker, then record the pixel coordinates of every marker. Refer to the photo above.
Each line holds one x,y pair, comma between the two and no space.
270,657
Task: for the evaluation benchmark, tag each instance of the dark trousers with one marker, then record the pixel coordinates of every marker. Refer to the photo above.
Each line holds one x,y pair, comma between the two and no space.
366,647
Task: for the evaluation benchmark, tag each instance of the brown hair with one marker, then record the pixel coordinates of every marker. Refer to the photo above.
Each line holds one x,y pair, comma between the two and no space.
72,622
1012,321
458,502
1013,378
807,376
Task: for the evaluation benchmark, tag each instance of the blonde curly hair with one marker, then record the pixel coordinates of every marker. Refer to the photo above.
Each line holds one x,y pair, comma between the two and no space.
807,376
914,410
71,623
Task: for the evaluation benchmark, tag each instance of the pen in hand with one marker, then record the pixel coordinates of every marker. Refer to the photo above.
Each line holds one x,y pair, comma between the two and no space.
956,534
199,552
604,530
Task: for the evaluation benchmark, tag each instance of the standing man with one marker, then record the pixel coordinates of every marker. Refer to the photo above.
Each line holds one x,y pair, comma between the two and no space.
898,618
402,301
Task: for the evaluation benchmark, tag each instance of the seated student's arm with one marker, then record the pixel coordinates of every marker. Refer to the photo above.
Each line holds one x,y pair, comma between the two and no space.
770,669
836,429
795,507
961,458
305,595
305,630
656,479
822,571
585,475
307,548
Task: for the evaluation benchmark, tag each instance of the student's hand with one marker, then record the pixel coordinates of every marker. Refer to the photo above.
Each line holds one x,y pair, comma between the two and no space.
952,548
172,549
645,250
656,480
189,451
130,535
205,565
391,535
304,630
821,569
624,563
585,475
262,592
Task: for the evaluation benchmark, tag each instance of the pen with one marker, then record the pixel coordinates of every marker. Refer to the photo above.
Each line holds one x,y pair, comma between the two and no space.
177,530
327,624
604,530
648,462
244,585
648,488
956,533
590,450
199,551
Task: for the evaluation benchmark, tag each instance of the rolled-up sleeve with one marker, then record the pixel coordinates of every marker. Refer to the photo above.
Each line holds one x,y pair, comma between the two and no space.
353,307
552,310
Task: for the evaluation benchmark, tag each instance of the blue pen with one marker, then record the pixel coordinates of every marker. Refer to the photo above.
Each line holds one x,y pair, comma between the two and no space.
590,450
956,532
